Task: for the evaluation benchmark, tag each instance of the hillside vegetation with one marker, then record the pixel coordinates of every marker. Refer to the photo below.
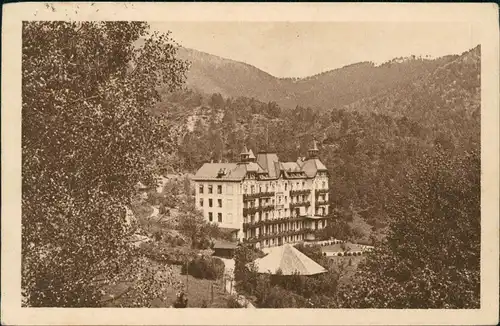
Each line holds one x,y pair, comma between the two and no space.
336,88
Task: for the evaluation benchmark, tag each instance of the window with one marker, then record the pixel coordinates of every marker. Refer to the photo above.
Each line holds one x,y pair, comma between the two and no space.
210,217
201,189
230,203
291,186
229,218
244,189
286,199
210,202
229,189
285,186
219,202
324,185
219,217
210,189
252,189
303,184
219,189
201,202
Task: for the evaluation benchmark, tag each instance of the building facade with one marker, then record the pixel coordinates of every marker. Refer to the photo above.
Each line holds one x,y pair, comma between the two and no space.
265,202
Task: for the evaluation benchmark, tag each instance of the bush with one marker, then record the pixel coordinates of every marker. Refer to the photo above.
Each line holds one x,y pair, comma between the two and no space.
281,298
210,268
232,302
167,255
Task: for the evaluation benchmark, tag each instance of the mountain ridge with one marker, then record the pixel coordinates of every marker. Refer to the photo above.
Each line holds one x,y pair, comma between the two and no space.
333,88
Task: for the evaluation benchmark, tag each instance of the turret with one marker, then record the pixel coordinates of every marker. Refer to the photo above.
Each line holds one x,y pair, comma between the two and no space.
313,152
244,155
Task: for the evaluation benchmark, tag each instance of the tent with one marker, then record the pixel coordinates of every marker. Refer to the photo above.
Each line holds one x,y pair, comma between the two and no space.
289,260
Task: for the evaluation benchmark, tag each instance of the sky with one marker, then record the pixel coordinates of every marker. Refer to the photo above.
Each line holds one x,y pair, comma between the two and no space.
300,49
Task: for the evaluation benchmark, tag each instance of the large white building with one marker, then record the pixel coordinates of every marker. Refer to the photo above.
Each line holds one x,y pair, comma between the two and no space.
264,201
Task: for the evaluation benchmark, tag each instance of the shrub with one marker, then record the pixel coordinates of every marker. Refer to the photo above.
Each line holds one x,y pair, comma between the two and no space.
281,298
210,268
167,255
232,302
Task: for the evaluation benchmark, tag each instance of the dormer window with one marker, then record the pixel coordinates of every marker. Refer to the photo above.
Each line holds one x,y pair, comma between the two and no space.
222,172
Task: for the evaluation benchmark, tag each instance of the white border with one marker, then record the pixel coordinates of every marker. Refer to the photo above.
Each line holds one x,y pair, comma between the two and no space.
484,19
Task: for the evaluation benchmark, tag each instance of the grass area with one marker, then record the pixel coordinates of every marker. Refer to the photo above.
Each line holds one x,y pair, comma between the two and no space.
199,292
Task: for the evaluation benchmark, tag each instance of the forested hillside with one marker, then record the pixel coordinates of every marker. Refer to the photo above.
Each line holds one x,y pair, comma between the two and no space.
367,146
335,88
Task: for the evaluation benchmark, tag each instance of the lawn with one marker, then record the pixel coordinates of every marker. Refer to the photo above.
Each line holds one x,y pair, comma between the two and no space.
199,292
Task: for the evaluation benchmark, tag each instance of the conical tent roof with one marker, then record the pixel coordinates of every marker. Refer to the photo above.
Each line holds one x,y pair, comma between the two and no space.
289,260
251,154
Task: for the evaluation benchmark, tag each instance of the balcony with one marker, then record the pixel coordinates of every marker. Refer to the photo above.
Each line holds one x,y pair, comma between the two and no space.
253,210
255,224
249,210
321,191
276,234
299,204
256,195
321,202
300,192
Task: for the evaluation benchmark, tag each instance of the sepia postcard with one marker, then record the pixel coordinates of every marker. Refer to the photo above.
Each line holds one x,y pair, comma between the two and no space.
250,164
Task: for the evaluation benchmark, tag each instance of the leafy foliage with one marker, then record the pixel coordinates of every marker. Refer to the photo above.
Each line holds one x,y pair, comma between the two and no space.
431,257
211,268
87,138
194,226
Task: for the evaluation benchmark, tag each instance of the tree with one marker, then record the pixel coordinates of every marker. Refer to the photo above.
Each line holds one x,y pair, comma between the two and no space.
87,137
193,225
431,257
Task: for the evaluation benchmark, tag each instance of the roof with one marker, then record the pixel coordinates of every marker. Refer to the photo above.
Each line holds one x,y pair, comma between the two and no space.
266,165
268,162
289,260
228,229
348,246
210,171
312,166
219,244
